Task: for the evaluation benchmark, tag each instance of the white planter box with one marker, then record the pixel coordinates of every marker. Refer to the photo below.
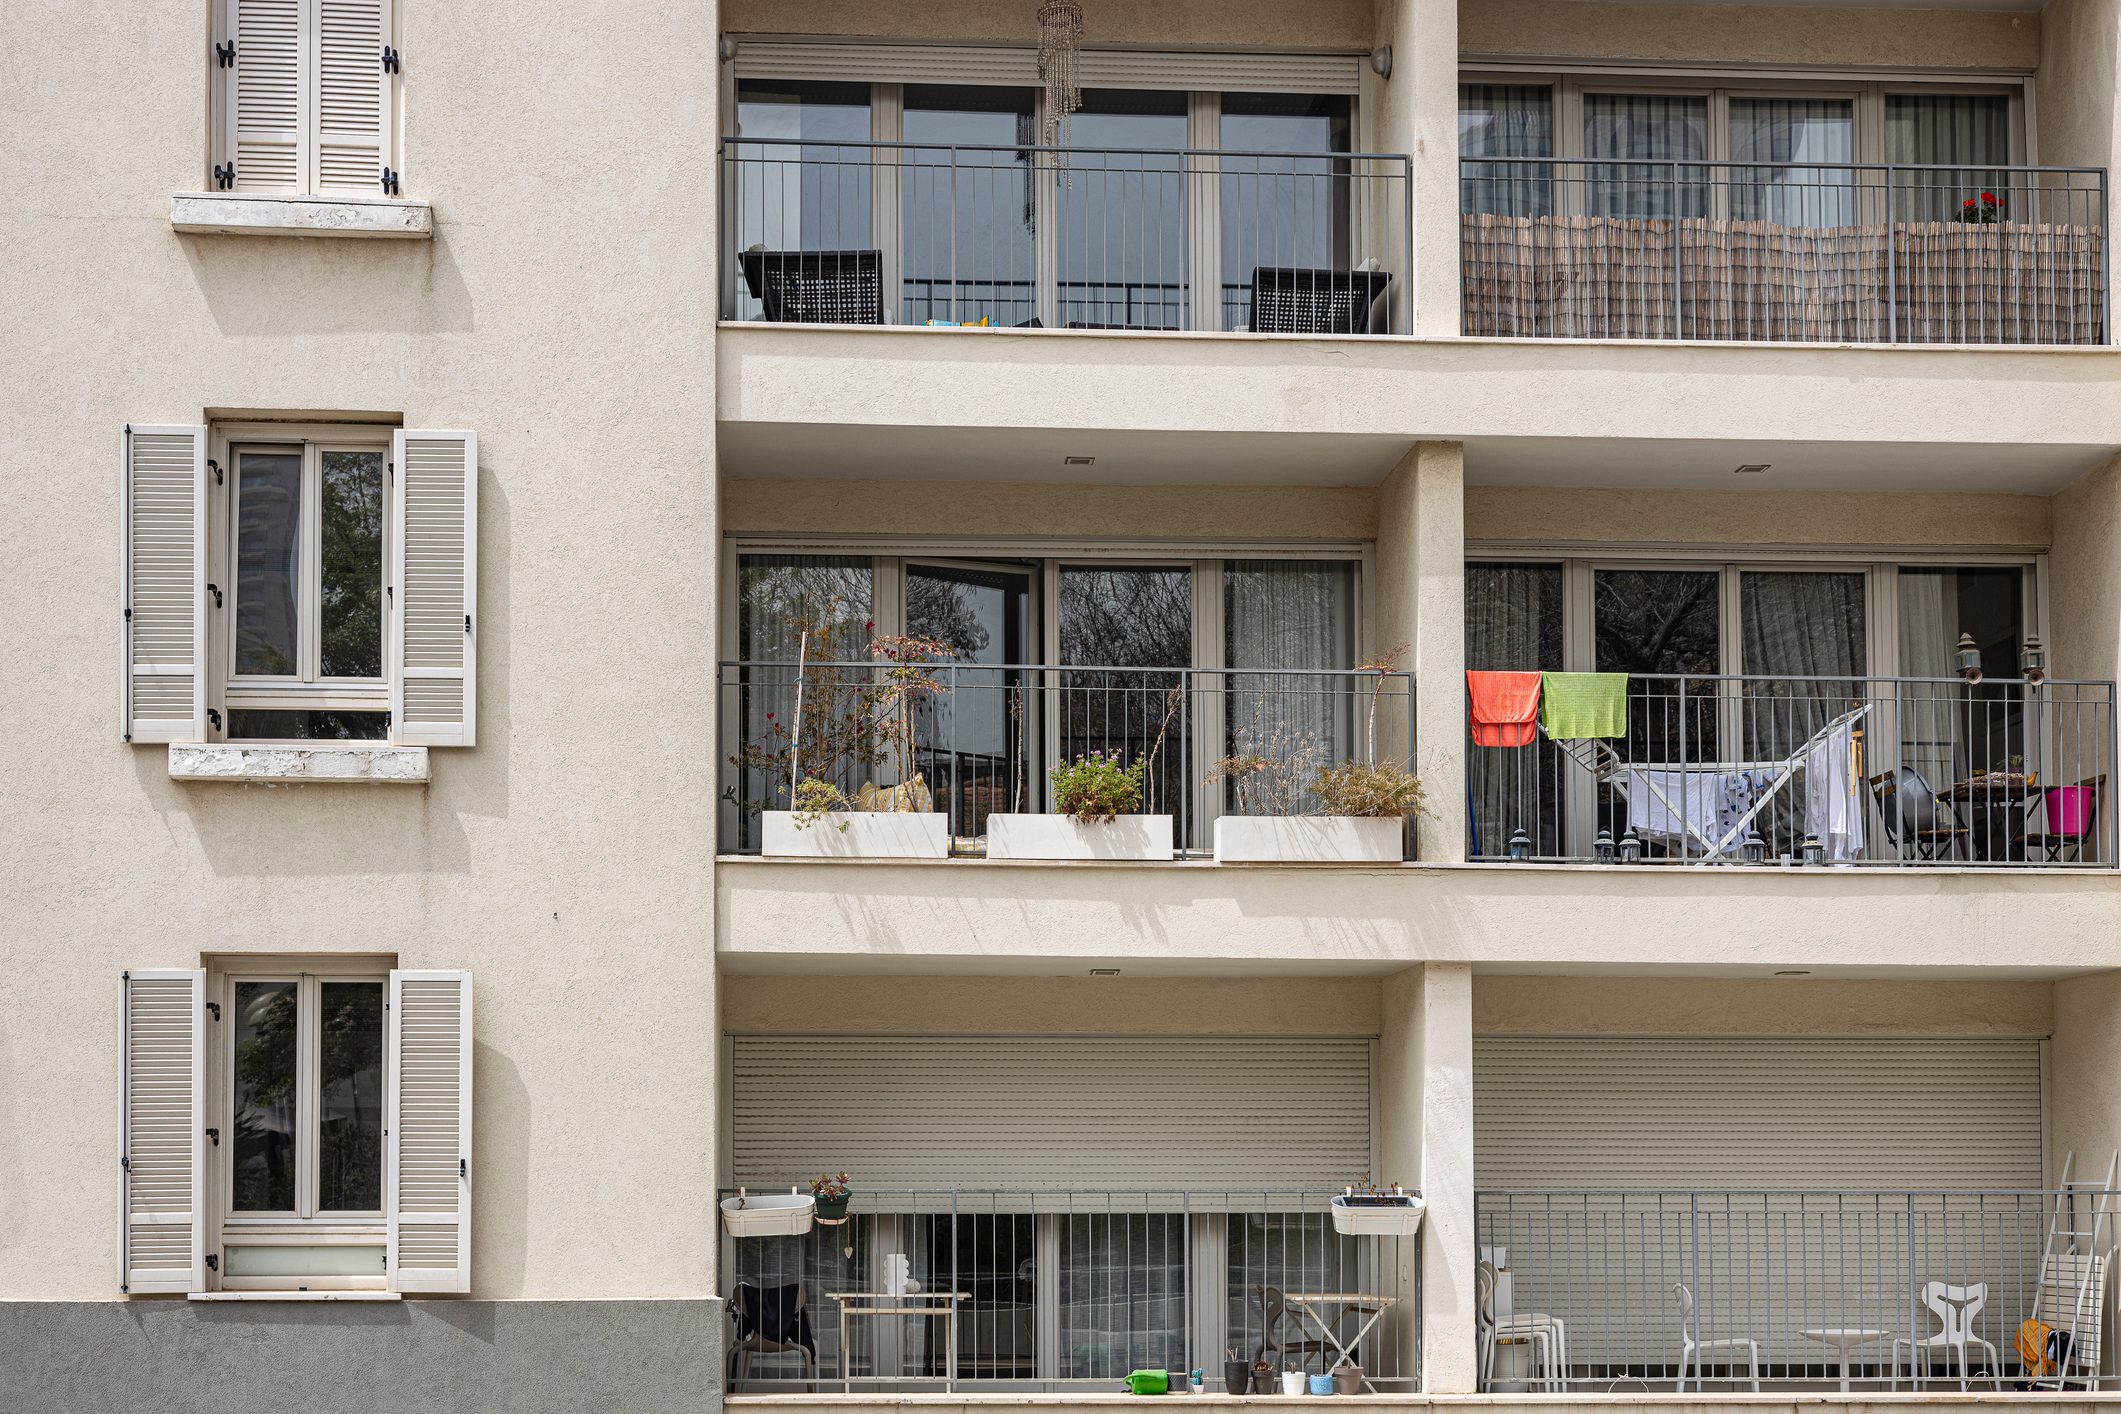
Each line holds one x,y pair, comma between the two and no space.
1308,839
1365,1220
860,834
769,1214
1061,837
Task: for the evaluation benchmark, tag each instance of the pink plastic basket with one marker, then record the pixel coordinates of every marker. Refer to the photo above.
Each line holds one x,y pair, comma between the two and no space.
2069,809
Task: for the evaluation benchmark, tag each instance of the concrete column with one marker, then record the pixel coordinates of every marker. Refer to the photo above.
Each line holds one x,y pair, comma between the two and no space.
1415,111
1425,1079
2084,1057
1421,603
2084,594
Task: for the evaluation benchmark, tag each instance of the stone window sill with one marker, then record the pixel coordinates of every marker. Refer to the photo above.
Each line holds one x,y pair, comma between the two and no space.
347,763
293,1296
229,214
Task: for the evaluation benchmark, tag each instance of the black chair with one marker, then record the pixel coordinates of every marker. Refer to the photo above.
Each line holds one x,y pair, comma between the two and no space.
769,1321
1915,818
1286,300
817,286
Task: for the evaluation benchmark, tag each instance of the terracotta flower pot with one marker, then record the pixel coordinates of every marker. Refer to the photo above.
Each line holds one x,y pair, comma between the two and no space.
1347,1379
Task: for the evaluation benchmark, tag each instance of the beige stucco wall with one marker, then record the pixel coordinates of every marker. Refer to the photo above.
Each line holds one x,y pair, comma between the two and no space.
1316,25
1080,1006
562,860
2083,1101
2084,635
1731,1006
2080,61
1870,36
1601,515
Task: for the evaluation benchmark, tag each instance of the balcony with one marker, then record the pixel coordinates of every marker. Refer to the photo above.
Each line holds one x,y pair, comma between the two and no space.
1067,1289
1586,1292
968,742
1767,252
1028,237
1803,771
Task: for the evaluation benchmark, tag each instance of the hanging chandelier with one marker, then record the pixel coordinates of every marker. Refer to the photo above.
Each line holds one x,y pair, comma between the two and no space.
1060,38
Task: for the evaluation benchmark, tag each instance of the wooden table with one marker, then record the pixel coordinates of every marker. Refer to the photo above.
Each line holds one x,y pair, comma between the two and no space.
1316,1307
1994,794
858,1305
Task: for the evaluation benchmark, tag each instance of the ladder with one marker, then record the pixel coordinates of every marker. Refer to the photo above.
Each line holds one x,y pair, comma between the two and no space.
2070,1293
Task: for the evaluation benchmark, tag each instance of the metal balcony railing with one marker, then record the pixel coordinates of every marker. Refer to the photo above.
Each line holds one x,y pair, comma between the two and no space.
1818,252
1216,741
1066,1289
1873,771
1050,237
1596,1292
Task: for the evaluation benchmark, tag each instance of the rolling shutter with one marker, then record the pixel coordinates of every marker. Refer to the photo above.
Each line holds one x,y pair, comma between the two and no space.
433,702
1727,1112
353,95
162,1171
163,495
268,95
1210,1117
998,64
427,1132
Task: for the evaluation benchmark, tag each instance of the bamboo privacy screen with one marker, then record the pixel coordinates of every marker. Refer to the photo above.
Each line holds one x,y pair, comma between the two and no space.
1596,277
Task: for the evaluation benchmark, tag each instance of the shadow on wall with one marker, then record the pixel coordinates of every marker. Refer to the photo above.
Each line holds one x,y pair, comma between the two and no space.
329,285
500,1216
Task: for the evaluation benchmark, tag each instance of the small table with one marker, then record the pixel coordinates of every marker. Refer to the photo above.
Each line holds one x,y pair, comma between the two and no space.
1847,1338
926,1304
1995,795
1317,1305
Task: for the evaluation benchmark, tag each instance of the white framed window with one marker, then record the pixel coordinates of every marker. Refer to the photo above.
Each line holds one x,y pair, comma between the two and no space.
305,98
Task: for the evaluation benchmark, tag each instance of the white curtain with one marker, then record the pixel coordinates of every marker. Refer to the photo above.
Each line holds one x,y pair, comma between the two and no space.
1793,133
1656,130
1293,614
1969,134
1506,120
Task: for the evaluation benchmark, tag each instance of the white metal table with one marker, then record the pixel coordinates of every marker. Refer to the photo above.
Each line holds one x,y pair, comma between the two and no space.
860,1305
1847,1338
1324,1309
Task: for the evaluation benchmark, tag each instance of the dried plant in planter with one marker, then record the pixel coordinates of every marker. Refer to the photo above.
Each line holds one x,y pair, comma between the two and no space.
1370,787
1271,771
1099,786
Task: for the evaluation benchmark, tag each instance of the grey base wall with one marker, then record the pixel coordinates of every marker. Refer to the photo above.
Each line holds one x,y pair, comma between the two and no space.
434,1357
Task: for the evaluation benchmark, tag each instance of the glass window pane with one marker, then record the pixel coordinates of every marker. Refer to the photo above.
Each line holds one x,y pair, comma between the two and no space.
781,599
1949,731
1791,133
1274,1254
970,215
1657,625
808,187
975,739
1513,624
250,724
1507,121
265,1081
1296,614
1282,205
350,1098
1658,131
1968,135
350,506
1804,633
1122,212
287,1260
993,1259
1128,617
268,562
1122,1294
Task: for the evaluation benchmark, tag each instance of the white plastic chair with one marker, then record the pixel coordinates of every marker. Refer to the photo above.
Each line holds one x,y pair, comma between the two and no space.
1956,1308
1691,1345
1548,1334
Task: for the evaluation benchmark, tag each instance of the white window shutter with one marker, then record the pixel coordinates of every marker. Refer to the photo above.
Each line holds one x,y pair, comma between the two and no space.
162,1171
353,96
427,1132
163,614
432,698
270,96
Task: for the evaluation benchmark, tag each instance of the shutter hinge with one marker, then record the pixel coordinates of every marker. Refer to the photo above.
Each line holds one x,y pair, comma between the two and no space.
467,623
213,1261
215,467
128,615
214,1007
215,1135
225,177
215,590
125,1162
226,54
390,182
213,714
390,60
463,1168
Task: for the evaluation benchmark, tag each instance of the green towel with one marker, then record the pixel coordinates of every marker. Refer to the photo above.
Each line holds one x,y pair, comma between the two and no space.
1575,706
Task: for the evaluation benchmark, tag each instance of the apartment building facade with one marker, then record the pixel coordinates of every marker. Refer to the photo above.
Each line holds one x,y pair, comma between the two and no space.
1686,436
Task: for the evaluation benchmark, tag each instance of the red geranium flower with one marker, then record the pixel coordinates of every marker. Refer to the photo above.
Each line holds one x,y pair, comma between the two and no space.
1967,204
1988,198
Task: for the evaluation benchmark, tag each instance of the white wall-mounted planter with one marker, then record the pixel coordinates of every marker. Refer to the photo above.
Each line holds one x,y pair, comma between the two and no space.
1400,1219
1063,837
769,1214
859,834
1309,839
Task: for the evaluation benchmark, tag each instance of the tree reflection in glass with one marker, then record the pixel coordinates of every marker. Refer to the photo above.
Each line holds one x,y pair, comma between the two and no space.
265,1079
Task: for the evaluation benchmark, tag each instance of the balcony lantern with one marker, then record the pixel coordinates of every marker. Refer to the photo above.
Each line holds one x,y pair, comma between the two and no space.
1520,844
2032,660
1969,658
1603,847
1755,848
1814,851
1631,847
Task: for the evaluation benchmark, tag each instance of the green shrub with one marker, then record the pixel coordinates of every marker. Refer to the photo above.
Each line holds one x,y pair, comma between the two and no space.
1098,786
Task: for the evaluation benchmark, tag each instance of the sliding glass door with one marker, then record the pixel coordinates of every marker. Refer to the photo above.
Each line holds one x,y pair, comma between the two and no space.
969,204
976,739
1125,638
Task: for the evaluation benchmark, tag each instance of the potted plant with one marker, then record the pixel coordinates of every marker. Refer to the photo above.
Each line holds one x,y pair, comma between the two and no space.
1262,1377
768,1214
1095,800
1237,1373
1372,1210
1347,1378
832,1194
1295,807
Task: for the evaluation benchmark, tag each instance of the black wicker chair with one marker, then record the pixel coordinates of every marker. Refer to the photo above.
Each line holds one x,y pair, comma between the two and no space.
816,286
1287,300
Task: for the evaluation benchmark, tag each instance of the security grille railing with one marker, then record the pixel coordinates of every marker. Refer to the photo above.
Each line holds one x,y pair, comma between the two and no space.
1812,251
1213,741
1079,238
1774,1285
1802,771
1056,1289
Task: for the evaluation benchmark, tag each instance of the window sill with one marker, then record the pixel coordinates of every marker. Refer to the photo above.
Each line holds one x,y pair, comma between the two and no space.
227,214
293,1296
342,763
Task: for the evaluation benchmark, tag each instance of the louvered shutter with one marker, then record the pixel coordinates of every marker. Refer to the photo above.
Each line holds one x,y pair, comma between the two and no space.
353,95
427,1129
163,1168
436,559
163,616
269,95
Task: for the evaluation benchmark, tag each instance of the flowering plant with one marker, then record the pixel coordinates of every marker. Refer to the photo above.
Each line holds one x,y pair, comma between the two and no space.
1983,210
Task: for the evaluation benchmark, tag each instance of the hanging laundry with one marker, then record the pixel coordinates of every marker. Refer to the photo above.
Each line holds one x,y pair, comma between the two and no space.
1833,803
1504,707
1579,706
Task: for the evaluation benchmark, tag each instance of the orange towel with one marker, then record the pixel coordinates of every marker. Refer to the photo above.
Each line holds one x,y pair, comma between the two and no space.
1505,708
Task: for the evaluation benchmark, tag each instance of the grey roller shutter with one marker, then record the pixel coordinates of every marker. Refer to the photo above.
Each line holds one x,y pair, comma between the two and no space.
1007,65
1220,1116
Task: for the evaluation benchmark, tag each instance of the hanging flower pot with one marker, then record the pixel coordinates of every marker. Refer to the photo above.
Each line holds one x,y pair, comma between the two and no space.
1394,1214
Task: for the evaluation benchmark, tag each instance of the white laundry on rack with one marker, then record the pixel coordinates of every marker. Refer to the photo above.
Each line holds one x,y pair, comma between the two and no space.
1696,808
1833,802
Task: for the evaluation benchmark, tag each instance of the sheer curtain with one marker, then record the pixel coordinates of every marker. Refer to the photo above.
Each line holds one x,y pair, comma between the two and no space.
778,596
1793,133
1289,614
1506,120
1655,130
1513,624
1798,625
1969,134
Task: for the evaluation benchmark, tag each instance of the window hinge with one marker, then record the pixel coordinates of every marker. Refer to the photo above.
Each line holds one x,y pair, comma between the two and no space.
390,182
390,60
213,1261
226,54
215,467
128,615
214,1007
225,177
215,1135
215,590
125,1162
213,714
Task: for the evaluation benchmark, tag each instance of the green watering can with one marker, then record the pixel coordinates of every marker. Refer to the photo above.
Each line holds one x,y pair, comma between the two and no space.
1149,1382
